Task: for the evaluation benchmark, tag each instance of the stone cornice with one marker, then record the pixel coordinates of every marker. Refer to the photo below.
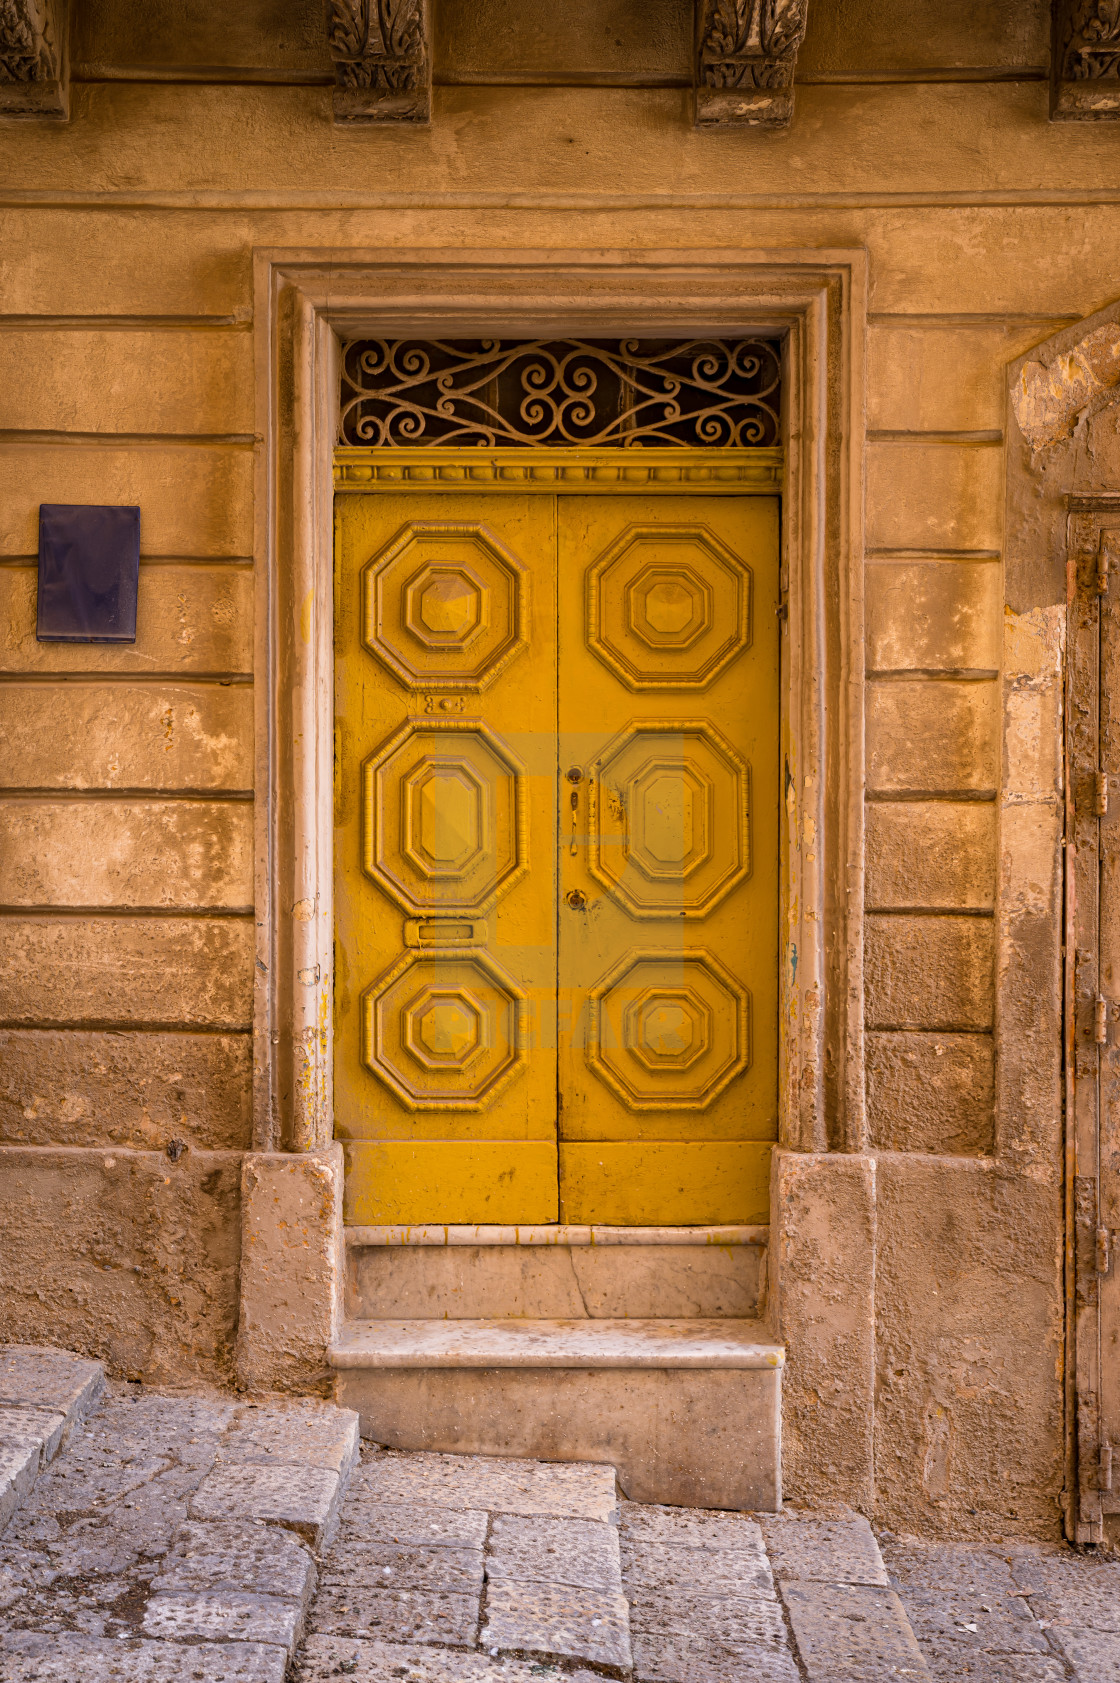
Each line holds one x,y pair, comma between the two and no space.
746,52
382,60
34,59
1085,60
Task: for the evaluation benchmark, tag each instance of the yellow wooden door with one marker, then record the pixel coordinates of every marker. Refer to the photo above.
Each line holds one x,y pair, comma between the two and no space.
668,917
445,748
556,857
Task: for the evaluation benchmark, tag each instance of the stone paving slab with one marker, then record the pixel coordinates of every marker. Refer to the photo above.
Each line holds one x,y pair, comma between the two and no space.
733,1619
323,1659
410,1523
396,1615
305,1434
688,1527
232,1556
558,1619
956,1616
954,1662
35,1376
19,1468
579,1490
1094,1654
43,1426
834,1551
1076,1591
980,1571
223,1616
662,1566
581,1553
1009,1613
104,1565
389,1566
304,1499
852,1633
693,1659
62,1657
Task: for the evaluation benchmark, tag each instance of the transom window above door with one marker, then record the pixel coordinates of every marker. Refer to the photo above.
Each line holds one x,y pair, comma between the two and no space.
596,393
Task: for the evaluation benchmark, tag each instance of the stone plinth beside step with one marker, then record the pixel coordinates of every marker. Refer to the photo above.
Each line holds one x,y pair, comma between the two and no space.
45,1395
688,1411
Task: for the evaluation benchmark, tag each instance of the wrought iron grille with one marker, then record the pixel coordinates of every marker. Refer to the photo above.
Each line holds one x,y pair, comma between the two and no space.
614,393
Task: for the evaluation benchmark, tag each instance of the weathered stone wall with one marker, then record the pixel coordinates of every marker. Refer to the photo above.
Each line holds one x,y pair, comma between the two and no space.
126,375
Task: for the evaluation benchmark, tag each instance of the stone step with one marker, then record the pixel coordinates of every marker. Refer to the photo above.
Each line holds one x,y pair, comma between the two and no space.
688,1410
45,1395
555,1272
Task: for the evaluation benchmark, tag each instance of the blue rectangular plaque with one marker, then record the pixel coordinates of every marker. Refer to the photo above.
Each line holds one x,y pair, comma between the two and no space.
89,569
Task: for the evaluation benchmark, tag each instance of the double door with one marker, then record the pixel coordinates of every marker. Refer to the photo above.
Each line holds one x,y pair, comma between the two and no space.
556,866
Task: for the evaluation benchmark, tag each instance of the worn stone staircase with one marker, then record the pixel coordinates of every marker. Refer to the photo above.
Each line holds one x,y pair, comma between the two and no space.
642,1347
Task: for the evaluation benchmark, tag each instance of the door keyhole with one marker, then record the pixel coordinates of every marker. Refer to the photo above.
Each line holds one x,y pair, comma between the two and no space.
574,776
576,899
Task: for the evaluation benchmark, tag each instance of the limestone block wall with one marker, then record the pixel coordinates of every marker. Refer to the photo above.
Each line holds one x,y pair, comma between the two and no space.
128,775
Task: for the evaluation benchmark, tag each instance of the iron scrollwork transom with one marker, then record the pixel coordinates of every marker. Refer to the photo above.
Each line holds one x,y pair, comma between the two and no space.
601,393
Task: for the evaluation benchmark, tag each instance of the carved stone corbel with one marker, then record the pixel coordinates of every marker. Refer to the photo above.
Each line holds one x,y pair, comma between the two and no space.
746,51
1084,60
382,60
34,59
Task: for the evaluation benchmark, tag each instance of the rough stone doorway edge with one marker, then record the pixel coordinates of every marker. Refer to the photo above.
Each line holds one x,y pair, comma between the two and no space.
1062,490
305,301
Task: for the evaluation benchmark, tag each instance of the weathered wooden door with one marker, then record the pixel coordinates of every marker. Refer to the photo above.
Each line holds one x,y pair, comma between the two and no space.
668,912
1093,1026
445,856
556,856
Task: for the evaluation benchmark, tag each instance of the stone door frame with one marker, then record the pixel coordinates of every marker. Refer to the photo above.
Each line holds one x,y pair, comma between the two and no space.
305,302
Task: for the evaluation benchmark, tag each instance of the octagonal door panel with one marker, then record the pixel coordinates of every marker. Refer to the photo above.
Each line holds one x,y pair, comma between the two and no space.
445,856
669,645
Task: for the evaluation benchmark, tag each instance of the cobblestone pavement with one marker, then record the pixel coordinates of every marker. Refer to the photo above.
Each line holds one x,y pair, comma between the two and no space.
161,1538
171,1538
1009,1613
462,1569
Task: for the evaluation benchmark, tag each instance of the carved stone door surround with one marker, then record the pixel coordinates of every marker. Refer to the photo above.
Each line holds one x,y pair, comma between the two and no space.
307,303
1057,1057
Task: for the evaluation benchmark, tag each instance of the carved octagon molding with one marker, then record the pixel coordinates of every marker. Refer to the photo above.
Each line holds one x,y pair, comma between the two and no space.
668,607
444,817
445,605
444,1030
669,818
669,1030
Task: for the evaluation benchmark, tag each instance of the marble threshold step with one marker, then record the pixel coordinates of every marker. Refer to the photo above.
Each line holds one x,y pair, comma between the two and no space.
688,1411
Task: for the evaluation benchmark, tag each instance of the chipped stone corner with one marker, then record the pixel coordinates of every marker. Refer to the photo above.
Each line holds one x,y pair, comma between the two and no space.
291,1268
1050,396
1034,644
